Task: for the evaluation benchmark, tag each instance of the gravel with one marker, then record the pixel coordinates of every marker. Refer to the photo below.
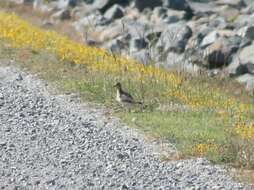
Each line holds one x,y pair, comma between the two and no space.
50,141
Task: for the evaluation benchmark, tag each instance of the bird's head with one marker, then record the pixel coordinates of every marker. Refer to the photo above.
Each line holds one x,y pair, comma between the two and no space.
118,85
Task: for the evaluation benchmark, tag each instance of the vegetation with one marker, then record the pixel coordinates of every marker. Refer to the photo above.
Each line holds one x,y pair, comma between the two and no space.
201,118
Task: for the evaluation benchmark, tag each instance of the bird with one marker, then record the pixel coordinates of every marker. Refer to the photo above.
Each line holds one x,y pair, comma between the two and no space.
123,97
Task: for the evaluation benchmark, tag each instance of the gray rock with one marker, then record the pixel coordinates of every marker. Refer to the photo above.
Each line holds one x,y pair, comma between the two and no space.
246,55
141,4
179,5
92,20
234,3
104,5
209,39
248,81
247,32
41,6
142,56
137,44
114,12
220,52
61,15
244,20
202,9
173,16
174,37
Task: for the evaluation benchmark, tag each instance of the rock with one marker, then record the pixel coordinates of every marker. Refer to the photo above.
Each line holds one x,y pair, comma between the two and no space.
161,14
104,5
173,16
209,39
63,4
114,12
137,44
141,4
248,81
244,20
117,46
112,32
93,20
174,37
22,1
228,12
220,53
61,15
217,22
247,32
41,6
136,29
246,55
245,68
179,5
202,9
143,56
234,3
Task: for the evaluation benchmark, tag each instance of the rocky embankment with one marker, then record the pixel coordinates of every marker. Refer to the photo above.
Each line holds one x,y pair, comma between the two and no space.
50,142
196,35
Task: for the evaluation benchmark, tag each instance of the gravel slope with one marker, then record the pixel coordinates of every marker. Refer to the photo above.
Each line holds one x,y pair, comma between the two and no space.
50,142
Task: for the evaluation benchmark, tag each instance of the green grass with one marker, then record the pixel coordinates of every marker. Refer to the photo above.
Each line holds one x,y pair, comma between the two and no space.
182,128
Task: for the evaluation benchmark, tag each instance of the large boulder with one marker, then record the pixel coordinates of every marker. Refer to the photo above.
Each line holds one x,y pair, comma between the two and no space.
248,81
174,38
234,3
247,54
138,43
92,20
104,5
165,15
178,5
143,56
141,4
63,14
247,32
209,39
220,53
114,12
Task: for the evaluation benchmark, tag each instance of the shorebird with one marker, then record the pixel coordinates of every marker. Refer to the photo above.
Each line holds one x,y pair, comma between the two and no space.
123,97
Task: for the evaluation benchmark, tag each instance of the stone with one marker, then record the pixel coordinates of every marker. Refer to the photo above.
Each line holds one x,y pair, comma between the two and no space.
112,32
209,39
137,44
93,20
114,12
247,32
141,4
173,16
179,5
202,9
104,5
41,6
143,56
234,3
248,81
246,55
62,15
174,37
220,53
244,20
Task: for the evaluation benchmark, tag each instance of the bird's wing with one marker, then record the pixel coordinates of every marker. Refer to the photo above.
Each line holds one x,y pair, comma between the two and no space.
125,97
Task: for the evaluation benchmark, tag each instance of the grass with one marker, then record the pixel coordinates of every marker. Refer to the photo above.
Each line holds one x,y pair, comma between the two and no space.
198,115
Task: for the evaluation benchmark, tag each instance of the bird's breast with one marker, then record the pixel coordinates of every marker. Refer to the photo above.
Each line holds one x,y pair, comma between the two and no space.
118,98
